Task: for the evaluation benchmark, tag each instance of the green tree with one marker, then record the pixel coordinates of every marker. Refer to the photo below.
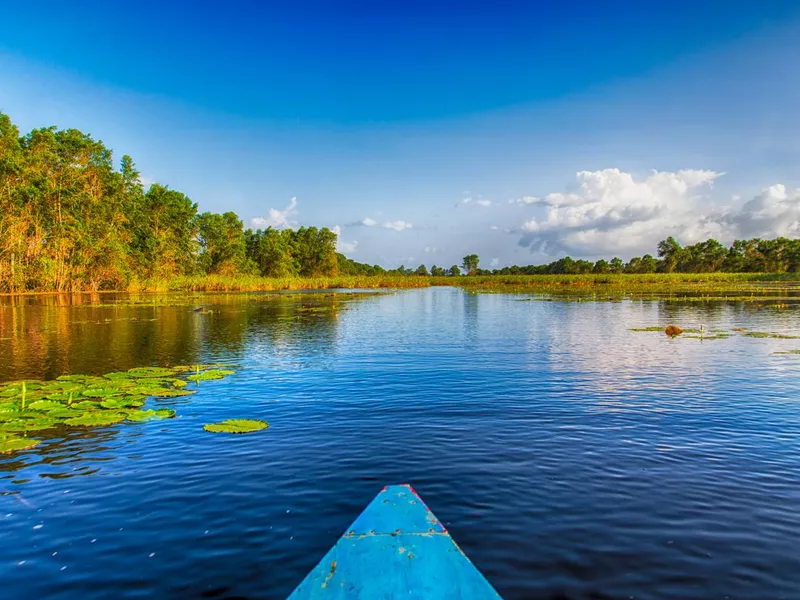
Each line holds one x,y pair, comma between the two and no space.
454,271
222,243
422,271
470,263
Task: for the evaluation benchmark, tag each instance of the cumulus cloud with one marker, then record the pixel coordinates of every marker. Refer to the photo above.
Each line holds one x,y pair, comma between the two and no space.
395,225
774,212
347,247
279,219
609,211
474,202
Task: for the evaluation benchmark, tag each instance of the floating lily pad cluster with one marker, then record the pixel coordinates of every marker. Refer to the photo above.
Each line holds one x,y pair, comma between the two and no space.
91,401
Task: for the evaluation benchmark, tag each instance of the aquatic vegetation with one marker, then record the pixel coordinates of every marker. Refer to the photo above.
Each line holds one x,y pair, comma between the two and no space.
236,426
652,328
764,334
149,415
45,405
92,400
98,419
14,443
211,374
788,352
715,336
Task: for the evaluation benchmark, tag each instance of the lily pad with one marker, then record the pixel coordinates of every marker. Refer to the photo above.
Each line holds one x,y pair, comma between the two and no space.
13,443
236,426
28,425
123,402
118,375
85,405
150,372
148,415
102,392
210,374
98,419
65,413
166,392
45,405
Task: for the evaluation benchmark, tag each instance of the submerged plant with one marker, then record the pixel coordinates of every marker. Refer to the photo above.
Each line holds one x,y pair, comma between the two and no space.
236,426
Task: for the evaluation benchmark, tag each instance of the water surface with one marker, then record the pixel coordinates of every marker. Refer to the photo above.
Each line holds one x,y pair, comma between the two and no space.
567,455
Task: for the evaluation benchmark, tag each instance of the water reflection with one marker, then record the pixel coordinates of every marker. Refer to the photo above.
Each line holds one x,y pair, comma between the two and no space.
47,336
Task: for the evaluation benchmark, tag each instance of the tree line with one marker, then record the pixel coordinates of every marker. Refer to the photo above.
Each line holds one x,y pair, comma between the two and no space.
780,255
70,220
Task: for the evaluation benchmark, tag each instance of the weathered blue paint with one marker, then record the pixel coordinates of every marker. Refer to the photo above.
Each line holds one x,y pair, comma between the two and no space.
395,549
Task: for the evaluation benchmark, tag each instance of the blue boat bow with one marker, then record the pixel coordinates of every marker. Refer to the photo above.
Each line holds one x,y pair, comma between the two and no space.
396,548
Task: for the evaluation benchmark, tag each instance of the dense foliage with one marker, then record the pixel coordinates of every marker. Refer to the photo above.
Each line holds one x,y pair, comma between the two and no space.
69,220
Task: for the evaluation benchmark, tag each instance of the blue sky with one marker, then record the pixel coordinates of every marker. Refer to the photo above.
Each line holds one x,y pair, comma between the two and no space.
522,131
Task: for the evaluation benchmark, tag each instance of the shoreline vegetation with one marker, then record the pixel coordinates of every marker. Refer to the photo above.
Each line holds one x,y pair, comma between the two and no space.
70,221
686,286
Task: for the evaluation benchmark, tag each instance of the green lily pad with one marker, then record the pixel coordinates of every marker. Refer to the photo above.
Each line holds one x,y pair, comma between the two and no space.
150,372
118,375
148,415
12,443
99,419
102,392
178,383
123,402
167,392
45,405
65,413
22,425
10,416
85,405
210,374
72,377
236,426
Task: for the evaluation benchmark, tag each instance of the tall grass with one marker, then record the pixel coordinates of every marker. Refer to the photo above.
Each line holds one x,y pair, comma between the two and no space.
590,285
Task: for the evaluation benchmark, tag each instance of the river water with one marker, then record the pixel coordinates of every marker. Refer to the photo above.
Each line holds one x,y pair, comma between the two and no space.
568,456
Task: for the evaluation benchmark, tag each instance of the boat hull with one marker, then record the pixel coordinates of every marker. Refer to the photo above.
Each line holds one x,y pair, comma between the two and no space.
395,549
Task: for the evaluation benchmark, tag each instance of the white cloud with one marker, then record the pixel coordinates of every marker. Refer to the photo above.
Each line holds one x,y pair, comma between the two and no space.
474,201
347,247
526,200
494,262
610,212
279,219
774,212
430,249
493,227
396,225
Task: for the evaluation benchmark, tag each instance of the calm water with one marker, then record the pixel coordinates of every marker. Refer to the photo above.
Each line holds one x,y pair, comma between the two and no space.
568,456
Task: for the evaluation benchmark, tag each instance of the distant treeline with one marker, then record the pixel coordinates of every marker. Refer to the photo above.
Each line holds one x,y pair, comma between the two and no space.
69,220
781,255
